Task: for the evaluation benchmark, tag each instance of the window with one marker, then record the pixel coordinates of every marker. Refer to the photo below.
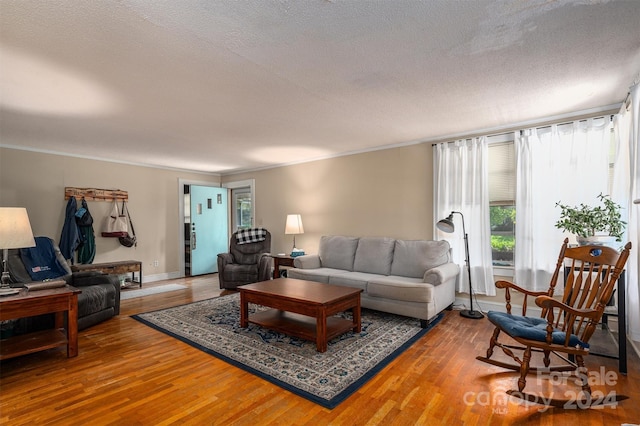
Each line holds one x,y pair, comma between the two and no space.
241,205
242,208
502,195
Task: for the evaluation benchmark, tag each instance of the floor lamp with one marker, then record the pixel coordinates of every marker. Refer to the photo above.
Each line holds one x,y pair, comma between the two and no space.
446,225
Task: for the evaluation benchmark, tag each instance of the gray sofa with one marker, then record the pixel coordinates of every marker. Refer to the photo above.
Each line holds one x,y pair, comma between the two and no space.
414,278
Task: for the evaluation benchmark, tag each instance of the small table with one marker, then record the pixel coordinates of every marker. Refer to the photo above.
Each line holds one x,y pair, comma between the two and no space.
301,308
26,304
116,268
281,260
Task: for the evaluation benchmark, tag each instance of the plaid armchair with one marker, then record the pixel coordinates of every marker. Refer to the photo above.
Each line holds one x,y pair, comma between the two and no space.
248,260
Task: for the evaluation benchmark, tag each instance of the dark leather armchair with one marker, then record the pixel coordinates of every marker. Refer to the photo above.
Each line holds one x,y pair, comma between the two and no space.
246,262
99,300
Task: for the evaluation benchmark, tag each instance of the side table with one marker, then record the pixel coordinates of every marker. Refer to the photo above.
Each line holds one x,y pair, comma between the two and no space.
61,301
281,260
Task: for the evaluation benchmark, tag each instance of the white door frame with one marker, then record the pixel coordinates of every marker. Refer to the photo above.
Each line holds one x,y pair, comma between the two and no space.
229,185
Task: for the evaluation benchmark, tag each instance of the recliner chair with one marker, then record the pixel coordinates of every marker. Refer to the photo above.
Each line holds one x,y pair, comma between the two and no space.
248,260
99,300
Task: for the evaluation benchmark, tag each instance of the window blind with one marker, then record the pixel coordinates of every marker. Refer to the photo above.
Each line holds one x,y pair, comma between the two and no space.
502,173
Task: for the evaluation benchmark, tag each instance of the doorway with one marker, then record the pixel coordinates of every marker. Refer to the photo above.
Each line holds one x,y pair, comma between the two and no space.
245,201
205,228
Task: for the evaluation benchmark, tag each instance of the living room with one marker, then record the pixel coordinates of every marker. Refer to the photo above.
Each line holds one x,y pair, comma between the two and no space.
384,191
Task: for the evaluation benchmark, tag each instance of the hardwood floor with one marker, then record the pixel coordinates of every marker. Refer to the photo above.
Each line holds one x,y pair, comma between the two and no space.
129,374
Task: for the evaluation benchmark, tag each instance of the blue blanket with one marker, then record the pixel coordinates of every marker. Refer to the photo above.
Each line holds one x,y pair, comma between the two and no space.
41,261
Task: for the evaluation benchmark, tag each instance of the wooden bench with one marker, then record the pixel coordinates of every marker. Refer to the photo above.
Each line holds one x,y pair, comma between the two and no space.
117,268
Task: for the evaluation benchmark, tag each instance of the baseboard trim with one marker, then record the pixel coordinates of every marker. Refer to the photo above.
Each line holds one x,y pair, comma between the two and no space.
160,277
485,306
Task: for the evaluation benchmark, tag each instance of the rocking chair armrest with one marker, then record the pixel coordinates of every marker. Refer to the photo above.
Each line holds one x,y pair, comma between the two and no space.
509,284
546,302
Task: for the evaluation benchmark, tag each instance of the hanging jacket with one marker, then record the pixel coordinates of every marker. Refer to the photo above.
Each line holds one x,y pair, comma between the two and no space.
70,238
87,250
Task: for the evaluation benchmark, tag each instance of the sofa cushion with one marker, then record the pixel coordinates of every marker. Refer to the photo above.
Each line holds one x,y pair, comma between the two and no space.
374,255
352,279
531,328
338,252
400,288
235,272
320,275
412,258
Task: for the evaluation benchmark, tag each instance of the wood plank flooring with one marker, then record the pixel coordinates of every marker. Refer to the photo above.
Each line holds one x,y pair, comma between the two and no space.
129,374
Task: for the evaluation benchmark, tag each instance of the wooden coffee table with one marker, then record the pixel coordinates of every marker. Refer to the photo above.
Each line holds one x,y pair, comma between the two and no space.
303,309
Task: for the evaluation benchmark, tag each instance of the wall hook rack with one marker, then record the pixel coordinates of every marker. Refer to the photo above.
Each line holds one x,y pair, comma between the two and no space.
95,194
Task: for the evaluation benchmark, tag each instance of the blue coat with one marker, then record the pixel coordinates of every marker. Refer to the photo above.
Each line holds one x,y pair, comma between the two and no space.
70,238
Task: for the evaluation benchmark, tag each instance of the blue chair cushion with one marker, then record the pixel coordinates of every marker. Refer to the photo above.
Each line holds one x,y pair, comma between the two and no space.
531,328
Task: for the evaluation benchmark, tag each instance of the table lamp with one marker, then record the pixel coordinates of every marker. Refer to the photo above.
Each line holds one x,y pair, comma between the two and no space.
293,227
15,232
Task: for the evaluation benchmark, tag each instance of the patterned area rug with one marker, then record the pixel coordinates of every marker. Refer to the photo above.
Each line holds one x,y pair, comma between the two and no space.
327,379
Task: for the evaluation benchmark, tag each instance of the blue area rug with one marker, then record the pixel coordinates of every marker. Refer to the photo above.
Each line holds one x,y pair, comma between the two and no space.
327,379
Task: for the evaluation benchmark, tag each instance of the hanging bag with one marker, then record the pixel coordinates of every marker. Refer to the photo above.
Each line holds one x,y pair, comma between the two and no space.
130,240
83,216
115,225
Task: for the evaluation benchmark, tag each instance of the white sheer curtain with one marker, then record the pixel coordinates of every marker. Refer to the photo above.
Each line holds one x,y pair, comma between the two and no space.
626,189
566,163
461,184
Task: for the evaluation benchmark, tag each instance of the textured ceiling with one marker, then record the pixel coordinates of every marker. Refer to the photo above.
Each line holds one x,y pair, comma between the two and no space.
222,86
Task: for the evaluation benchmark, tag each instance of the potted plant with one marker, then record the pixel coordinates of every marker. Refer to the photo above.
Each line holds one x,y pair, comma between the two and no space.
593,225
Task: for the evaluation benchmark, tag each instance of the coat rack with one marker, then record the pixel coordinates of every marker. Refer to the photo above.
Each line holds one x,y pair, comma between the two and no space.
94,194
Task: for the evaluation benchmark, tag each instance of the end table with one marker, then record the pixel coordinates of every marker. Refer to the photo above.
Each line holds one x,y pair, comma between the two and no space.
61,301
281,260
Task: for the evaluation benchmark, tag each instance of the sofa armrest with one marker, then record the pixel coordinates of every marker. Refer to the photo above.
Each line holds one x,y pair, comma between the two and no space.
224,259
89,278
441,274
307,261
265,267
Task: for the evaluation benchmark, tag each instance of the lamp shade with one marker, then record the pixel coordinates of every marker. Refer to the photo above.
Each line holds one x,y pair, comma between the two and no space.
446,225
294,224
15,229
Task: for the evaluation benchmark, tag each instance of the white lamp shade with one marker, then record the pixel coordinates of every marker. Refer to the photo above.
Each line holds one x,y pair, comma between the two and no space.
15,229
293,225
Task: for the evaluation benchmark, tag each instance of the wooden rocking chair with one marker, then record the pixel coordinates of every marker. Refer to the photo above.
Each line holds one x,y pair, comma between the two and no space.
564,327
